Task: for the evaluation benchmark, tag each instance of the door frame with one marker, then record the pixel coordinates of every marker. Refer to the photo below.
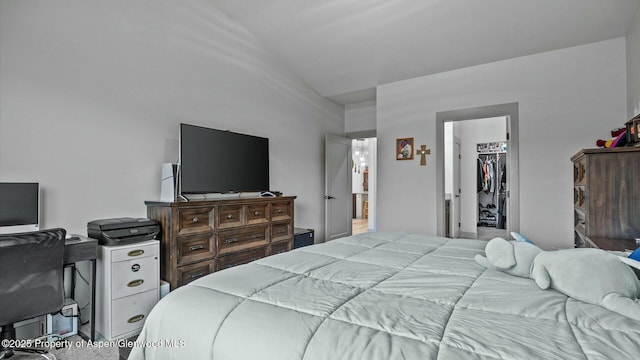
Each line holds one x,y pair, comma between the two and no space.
455,213
510,110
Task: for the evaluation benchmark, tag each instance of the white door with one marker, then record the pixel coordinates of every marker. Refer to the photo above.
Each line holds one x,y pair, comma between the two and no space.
455,223
338,198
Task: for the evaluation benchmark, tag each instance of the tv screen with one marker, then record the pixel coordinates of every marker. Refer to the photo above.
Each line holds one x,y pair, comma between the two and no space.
217,161
19,207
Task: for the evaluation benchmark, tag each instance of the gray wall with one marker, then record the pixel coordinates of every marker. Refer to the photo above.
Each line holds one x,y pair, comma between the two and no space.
566,98
360,117
92,93
633,67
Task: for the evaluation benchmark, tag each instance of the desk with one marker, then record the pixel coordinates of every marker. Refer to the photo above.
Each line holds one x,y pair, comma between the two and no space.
83,250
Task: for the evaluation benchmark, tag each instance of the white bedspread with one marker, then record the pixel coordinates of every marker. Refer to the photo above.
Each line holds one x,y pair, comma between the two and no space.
379,296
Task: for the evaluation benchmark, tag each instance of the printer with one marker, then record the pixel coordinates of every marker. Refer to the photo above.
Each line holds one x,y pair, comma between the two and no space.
122,231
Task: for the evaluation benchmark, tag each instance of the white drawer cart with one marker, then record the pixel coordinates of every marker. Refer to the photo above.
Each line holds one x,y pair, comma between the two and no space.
127,287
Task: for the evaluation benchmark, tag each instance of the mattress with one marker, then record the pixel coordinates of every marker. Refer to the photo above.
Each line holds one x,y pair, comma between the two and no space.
379,296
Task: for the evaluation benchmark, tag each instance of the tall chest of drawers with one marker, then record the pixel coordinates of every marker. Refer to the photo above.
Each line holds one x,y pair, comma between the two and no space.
606,195
200,237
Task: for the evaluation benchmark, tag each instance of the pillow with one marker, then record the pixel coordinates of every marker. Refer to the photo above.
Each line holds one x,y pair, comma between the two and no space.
520,237
635,255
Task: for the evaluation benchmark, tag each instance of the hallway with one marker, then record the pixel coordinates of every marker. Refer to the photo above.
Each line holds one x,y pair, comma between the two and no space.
359,226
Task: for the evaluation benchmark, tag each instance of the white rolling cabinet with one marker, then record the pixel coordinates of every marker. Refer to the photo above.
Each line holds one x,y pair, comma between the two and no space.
127,287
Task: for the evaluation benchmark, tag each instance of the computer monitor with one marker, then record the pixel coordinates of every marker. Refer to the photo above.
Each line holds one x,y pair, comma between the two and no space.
19,207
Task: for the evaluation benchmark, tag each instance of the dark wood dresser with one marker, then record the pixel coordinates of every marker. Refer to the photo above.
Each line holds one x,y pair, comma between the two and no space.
606,196
200,237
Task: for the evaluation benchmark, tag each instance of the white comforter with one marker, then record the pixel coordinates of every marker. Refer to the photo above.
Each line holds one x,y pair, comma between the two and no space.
379,296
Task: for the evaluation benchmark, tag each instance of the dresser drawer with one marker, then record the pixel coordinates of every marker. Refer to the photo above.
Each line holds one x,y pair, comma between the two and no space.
579,196
580,171
580,221
280,247
281,210
230,216
136,252
134,276
129,314
281,231
257,214
581,241
195,248
227,261
242,239
188,273
195,220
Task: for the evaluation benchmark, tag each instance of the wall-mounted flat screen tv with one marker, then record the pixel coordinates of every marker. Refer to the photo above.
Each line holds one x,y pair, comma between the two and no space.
19,207
218,161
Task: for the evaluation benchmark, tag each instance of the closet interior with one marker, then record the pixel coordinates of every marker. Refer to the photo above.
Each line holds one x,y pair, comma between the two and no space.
492,185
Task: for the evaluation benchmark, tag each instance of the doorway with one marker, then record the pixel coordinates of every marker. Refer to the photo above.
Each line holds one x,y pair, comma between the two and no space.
475,177
363,167
492,125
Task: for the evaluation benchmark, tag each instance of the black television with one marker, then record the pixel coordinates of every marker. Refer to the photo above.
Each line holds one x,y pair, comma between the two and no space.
219,161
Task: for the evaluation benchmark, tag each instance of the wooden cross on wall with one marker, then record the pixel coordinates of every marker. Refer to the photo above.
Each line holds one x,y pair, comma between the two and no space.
423,152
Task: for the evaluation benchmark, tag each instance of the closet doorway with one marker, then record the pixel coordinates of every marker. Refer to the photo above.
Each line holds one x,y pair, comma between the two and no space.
475,177
486,203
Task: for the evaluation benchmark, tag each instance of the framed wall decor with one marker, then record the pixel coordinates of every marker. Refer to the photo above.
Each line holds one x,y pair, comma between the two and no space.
404,149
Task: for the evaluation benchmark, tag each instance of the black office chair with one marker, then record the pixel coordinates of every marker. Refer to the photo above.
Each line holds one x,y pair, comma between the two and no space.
31,283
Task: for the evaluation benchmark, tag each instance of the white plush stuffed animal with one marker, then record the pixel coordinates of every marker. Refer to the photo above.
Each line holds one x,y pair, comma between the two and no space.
593,276
590,275
511,257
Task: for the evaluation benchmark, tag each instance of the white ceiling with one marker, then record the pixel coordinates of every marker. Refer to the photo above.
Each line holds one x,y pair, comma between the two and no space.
345,48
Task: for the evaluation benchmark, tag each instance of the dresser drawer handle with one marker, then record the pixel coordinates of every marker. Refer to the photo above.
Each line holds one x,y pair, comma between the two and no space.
229,216
256,213
197,275
196,220
135,319
134,283
196,247
231,241
279,211
256,236
282,231
135,252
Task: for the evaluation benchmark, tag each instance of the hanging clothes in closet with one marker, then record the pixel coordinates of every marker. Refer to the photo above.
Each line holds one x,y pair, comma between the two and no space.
491,190
487,173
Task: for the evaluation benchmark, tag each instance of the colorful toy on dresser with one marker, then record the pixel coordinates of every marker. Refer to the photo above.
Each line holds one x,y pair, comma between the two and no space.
618,139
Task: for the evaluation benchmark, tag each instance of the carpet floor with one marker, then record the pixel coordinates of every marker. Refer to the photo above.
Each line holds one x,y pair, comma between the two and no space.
76,348
488,233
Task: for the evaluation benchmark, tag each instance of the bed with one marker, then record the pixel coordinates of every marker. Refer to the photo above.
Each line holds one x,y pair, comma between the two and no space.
379,296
